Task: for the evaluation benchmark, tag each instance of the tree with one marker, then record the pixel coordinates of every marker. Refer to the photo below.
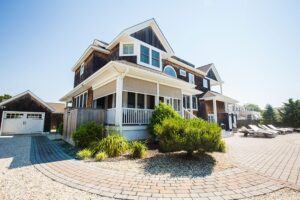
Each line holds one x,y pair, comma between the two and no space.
4,97
269,115
290,113
253,107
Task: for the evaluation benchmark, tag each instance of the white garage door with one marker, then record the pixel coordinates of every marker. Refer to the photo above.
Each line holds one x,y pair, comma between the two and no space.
14,122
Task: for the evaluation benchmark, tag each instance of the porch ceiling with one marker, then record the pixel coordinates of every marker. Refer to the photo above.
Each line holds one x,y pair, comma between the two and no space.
210,95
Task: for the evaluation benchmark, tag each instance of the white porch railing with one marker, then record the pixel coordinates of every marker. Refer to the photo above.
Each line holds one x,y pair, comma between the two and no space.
188,115
110,116
137,116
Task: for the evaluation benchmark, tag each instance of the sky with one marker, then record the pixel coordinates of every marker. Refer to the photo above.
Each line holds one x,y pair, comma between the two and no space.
254,44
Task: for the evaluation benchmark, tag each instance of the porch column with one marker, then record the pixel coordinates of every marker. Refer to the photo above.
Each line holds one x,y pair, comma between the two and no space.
191,103
119,94
215,110
221,88
226,106
157,94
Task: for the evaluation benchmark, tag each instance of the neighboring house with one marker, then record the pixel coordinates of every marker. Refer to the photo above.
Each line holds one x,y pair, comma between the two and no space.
27,113
245,114
127,77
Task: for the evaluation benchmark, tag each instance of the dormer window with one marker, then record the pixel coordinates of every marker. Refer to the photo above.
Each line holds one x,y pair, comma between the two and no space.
145,54
205,83
81,69
155,59
191,78
182,72
128,49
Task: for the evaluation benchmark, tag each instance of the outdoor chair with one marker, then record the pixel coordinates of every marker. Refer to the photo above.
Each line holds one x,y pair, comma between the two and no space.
265,133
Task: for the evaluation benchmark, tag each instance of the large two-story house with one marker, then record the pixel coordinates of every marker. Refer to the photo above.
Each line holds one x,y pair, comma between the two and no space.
130,75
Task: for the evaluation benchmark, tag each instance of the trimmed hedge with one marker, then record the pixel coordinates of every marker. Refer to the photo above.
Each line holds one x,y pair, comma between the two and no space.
138,149
87,134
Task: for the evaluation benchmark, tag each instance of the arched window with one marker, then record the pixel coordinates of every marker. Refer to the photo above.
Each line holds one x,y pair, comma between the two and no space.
170,71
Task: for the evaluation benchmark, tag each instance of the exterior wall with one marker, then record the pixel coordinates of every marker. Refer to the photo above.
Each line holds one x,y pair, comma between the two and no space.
198,78
28,104
220,107
90,98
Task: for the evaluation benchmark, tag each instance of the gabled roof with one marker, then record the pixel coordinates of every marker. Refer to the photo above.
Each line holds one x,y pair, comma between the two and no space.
58,107
206,68
32,95
209,95
148,23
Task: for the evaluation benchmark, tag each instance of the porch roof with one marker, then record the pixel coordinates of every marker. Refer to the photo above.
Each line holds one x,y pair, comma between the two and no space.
210,95
113,69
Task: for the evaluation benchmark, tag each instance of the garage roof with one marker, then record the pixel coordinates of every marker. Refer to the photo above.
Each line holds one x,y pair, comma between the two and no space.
32,95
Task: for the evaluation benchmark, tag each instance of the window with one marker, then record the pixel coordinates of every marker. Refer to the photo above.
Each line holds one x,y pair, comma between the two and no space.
182,72
210,118
150,102
34,116
13,115
186,102
170,71
195,103
84,100
131,100
81,100
100,103
144,54
205,83
191,78
176,104
155,59
127,49
140,100
81,69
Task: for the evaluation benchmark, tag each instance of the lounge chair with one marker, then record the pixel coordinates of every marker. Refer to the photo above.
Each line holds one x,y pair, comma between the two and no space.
285,130
263,132
246,131
269,129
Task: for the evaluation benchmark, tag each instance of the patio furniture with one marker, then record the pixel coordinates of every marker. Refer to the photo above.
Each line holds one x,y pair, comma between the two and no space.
271,130
267,134
286,130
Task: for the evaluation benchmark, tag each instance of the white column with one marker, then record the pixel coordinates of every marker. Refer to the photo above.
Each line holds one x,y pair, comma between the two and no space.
226,107
191,103
157,94
221,88
215,110
181,104
119,93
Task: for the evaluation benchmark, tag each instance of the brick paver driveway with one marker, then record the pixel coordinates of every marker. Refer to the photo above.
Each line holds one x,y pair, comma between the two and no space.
236,183
278,158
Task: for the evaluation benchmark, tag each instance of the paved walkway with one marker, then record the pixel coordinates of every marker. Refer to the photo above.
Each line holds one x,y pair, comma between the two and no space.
278,158
234,183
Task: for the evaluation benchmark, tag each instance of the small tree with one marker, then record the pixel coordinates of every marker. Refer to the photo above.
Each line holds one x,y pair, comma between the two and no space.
253,107
161,112
4,97
269,115
290,113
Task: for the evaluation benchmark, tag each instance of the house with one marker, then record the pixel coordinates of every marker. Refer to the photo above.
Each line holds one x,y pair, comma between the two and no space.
121,82
26,113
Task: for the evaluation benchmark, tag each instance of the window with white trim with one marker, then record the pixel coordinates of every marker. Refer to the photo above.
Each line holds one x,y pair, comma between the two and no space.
80,101
81,69
192,78
195,103
182,72
205,83
155,59
145,57
128,49
186,102
169,70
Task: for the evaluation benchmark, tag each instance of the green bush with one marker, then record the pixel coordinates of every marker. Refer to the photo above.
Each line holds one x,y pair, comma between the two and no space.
222,146
138,149
161,112
60,128
100,156
88,133
176,134
113,145
83,154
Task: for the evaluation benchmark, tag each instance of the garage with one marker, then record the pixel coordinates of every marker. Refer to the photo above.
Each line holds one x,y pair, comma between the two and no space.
14,122
25,114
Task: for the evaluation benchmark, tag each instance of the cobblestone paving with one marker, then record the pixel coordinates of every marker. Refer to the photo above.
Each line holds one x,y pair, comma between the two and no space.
233,183
278,157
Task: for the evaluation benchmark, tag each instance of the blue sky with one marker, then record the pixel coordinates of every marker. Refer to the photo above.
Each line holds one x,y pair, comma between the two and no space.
255,45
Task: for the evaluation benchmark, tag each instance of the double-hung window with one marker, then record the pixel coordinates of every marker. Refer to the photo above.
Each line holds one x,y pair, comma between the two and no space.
191,78
195,103
145,54
155,59
205,83
127,49
81,69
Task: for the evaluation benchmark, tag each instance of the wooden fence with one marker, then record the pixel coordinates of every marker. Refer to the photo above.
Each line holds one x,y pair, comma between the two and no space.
73,118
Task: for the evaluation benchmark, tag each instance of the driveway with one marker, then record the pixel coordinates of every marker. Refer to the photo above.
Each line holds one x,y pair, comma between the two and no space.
26,162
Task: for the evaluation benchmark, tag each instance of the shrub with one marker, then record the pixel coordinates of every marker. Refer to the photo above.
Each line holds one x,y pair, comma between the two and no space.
83,154
100,156
175,134
113,145
88,133
222,146
138,149
60,128
161,112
